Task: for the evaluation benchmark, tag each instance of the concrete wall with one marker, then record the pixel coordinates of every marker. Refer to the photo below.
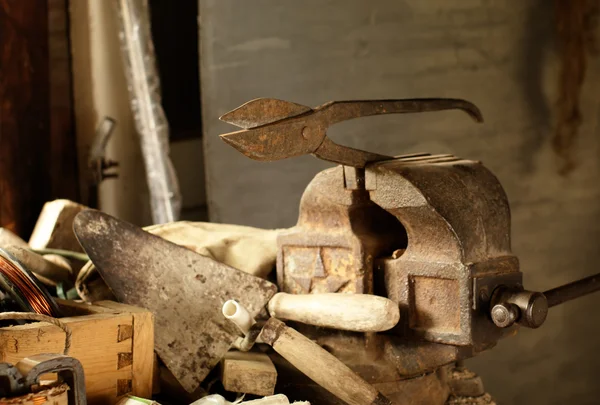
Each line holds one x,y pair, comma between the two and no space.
496,53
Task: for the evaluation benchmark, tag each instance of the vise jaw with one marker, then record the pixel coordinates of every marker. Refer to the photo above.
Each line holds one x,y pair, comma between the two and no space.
430,232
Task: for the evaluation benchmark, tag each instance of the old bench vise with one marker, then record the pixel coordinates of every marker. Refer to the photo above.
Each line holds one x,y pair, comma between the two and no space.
430,232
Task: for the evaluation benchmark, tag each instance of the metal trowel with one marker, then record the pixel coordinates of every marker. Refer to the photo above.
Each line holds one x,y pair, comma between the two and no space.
183,289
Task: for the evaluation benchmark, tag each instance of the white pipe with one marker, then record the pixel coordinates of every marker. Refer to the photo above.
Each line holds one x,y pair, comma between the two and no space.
239,315
216,399
278,399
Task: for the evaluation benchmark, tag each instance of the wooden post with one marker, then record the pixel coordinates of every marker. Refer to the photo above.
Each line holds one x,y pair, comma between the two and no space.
24,112
33,162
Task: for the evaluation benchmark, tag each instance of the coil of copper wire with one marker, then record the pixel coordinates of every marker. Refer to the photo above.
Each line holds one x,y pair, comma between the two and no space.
22,286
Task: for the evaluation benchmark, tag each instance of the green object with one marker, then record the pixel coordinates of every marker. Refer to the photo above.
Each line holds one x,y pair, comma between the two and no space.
133,400
69,254
70,294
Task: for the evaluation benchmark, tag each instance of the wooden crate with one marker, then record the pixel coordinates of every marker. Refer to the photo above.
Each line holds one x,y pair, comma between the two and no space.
114,343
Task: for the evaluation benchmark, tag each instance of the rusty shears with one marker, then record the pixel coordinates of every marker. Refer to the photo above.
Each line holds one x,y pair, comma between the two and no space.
276,129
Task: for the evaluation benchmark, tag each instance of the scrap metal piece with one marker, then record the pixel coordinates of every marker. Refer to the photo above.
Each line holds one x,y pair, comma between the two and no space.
466,387
464,382
11,380
98,164
183,289
276,130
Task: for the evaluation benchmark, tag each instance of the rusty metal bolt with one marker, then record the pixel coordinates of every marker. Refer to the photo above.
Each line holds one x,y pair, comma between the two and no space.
528,308
306,132
505,314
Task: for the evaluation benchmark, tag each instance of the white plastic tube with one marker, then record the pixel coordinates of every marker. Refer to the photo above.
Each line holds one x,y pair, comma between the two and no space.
239,315
278,399
216,399
150,120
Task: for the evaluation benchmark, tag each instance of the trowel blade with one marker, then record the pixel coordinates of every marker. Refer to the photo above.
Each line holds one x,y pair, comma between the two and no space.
183,289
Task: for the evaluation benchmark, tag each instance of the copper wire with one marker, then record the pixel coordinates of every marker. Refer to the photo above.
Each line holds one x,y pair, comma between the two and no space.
26,286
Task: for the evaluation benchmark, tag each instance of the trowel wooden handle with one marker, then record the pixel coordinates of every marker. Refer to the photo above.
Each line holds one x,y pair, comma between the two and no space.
353,312
319,365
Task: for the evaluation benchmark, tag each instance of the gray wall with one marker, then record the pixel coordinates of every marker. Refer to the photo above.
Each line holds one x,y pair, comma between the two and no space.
498,54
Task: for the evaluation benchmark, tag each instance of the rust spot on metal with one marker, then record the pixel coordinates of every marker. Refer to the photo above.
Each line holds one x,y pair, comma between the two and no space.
435,304
318,269
271,331
263,111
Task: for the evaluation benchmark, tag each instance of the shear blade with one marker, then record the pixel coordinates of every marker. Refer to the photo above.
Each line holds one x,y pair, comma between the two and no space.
263,111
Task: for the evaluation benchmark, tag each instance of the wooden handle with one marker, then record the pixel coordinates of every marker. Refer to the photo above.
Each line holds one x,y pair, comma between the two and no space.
320,366
50,272
353,312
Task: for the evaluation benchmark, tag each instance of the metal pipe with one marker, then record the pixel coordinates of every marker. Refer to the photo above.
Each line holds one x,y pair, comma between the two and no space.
573,290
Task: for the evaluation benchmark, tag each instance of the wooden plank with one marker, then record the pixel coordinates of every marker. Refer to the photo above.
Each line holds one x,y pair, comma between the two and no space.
143,353
54,227
143,362
248,372
75,308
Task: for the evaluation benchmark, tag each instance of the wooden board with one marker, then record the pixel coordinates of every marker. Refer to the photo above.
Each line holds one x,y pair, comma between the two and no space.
114,343
248,372
143,361
54,227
